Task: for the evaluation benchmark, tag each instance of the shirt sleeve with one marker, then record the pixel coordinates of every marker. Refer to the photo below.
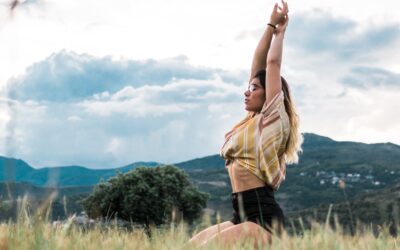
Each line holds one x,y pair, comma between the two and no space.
273,105
271,166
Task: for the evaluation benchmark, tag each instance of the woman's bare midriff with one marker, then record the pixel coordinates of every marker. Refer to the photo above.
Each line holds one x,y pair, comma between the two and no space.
242,179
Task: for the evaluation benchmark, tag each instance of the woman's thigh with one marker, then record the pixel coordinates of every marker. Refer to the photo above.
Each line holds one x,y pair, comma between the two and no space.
248,231
209,232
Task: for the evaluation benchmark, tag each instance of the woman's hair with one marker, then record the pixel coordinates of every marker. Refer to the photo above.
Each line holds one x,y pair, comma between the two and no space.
293,146
260,75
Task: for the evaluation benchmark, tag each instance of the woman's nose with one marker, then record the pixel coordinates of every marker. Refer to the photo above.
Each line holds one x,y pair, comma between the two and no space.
247,92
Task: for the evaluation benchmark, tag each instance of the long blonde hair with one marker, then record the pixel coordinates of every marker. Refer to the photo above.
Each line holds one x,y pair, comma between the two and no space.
293,146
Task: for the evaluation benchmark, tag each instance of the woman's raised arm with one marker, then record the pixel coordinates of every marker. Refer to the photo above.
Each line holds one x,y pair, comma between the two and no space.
273,84
260,55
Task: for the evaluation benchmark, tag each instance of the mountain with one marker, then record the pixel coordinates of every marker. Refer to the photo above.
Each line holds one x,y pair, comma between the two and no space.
372,208
13,190
204,163
364,168
66,201
15,170
315,179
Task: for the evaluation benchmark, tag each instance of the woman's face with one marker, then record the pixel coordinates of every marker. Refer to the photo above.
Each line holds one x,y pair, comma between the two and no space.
254,96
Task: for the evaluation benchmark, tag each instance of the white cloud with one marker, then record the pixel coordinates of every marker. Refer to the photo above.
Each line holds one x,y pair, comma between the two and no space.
68,76
74,118
104,105
165,121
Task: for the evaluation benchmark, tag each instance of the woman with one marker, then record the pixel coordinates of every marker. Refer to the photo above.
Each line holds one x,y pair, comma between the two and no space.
258,147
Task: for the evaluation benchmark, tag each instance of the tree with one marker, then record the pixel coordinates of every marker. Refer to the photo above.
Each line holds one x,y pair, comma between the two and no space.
146,196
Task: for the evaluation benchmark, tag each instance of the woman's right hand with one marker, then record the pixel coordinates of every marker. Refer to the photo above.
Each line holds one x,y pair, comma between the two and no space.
278,14
281,27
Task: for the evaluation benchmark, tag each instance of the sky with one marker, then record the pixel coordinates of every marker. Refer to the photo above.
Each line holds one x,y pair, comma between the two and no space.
106,83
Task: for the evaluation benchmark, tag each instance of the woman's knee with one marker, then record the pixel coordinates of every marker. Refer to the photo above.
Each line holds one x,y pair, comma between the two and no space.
257,232
244,232
211,231
252,227
219,227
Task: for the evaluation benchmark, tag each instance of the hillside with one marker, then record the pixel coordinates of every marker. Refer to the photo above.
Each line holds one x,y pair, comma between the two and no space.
15,170
67,200
373,208
365,168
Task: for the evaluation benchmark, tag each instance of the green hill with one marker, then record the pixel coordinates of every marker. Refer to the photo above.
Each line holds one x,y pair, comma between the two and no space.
15,170
365,168
373,208
65,203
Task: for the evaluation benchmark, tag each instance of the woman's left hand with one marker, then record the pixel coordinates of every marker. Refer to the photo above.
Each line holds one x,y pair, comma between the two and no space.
281,27
276,16
278,13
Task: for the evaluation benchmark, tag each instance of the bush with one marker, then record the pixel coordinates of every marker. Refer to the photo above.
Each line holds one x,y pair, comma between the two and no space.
146,196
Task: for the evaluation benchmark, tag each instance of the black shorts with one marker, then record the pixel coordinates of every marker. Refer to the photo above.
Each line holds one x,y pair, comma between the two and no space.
259,206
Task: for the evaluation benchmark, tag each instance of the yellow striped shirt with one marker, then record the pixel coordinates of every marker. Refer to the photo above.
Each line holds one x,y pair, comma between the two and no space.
258,142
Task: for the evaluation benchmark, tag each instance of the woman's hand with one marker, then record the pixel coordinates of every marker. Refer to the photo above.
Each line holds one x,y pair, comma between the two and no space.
281,27
274,58
278,13
260,55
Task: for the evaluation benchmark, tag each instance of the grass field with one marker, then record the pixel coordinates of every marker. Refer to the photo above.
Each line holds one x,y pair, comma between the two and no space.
28,234
33,231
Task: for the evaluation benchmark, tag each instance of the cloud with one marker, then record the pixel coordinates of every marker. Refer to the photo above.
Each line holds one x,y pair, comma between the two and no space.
175,97
74,108
319,33
26,5
367,77
114,132
68,76
120,112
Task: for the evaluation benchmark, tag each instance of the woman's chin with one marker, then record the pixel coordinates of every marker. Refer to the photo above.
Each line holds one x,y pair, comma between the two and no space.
247,108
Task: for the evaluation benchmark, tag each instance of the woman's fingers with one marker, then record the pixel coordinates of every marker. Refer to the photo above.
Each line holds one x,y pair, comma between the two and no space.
285,8
279,12
276,7
285,24
282,26
284,3
282,10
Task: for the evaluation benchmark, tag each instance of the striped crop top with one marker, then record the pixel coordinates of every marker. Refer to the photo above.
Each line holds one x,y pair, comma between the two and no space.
259,141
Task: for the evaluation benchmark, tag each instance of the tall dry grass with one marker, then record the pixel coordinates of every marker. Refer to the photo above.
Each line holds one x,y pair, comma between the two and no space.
34,231
43,236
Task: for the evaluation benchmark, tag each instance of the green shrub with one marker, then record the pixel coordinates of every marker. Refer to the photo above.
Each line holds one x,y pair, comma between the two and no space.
147,196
